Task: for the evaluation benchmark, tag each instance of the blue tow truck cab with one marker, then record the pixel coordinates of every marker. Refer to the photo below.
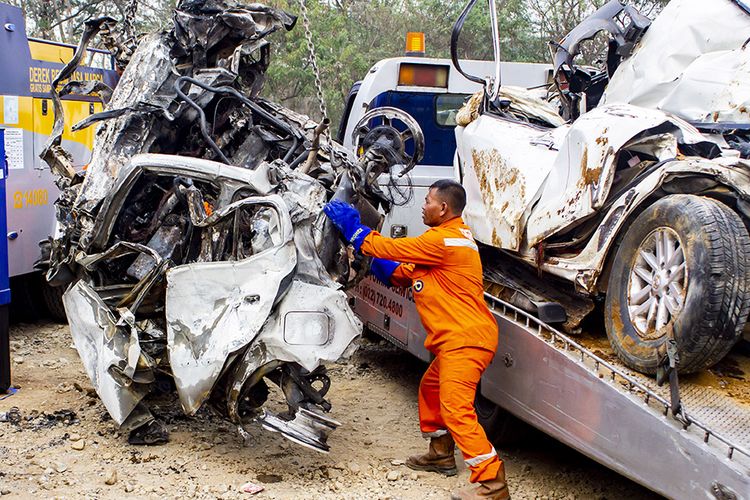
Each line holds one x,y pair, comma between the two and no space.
4,281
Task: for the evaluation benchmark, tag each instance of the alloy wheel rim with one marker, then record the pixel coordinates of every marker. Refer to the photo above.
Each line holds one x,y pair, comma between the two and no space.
658,283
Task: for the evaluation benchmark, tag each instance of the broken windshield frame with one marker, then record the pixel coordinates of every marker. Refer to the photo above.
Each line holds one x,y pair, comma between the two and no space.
455,34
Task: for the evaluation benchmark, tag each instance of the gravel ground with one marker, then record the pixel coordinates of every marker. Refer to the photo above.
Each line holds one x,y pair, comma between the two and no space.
66,446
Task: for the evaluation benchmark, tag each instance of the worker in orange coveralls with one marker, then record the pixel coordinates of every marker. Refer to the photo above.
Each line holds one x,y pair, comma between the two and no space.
443,268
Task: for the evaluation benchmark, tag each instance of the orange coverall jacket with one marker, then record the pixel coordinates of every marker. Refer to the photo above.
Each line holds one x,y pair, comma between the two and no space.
443,268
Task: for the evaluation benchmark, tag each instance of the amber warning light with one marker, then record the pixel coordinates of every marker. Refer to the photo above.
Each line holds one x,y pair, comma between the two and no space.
423,75
415,44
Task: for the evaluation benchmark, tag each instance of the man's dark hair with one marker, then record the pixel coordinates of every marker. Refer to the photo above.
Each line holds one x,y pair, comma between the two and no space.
452,193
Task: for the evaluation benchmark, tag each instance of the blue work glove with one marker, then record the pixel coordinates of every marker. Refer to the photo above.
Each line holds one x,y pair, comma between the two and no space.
383,269
346,218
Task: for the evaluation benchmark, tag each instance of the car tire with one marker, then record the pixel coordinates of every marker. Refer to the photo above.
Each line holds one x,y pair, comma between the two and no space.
704,300
52,297
500,426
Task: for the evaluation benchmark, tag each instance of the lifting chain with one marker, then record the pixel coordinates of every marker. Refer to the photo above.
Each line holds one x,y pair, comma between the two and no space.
314,63
129,21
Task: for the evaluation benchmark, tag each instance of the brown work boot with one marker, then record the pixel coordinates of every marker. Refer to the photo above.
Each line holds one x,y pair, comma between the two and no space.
438,459
494,489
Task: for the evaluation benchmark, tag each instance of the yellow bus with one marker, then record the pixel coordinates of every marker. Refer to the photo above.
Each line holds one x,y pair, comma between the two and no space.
29,66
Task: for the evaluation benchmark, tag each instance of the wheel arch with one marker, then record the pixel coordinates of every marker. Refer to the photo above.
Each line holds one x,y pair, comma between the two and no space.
695,183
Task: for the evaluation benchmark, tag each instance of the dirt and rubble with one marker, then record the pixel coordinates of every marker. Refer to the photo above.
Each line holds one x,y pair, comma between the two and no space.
729,378
61,443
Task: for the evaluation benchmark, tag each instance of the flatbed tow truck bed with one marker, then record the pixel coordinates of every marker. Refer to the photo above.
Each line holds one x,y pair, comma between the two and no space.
584,397
618,417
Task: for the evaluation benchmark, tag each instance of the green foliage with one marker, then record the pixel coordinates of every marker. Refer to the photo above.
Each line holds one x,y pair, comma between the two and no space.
351,35
63,20
515,27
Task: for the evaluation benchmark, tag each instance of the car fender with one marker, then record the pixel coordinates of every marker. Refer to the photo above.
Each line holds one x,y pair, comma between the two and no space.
586,268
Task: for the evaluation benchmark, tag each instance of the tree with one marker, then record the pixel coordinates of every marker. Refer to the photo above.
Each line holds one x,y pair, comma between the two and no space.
63,20
349,36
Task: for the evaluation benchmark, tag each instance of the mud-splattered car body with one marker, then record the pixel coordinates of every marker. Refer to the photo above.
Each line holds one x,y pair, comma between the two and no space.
667,116
194,246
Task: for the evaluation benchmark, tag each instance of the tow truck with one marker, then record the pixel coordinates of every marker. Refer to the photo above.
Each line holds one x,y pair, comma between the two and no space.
430,91
686,439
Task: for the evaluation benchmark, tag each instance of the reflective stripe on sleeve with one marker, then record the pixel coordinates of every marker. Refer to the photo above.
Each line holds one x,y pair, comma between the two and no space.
460,242
472,462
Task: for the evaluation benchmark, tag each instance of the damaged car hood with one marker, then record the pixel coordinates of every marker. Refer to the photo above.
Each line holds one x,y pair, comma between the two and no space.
514,207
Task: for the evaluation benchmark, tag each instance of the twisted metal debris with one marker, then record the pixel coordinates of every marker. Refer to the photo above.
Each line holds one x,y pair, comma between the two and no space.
193,246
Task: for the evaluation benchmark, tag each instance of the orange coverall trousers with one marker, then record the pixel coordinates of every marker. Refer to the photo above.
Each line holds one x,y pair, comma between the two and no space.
446,400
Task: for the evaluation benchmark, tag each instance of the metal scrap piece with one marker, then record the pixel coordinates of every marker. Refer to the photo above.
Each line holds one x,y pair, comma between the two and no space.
233,298
59,160
90,87
308,428
108,351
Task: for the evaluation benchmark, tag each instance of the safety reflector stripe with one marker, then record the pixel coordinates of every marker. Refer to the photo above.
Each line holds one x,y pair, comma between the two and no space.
460,242
435,434
472,462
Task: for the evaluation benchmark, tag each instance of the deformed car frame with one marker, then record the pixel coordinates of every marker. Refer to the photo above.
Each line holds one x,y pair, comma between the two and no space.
196,249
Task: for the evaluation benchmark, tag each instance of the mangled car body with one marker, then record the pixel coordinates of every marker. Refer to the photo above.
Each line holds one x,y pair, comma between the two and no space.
193,246
630,182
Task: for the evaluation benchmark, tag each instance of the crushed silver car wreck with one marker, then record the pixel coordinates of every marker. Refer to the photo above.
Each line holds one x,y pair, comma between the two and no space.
640,200
196,248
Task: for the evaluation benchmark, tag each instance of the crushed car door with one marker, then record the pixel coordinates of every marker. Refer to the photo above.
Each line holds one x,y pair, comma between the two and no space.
214,309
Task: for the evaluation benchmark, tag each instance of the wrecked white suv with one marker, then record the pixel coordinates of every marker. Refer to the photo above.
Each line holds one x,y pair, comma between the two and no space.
193,247
630,183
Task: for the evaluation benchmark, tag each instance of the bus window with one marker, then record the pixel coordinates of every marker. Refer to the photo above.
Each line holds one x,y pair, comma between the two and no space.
446,107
